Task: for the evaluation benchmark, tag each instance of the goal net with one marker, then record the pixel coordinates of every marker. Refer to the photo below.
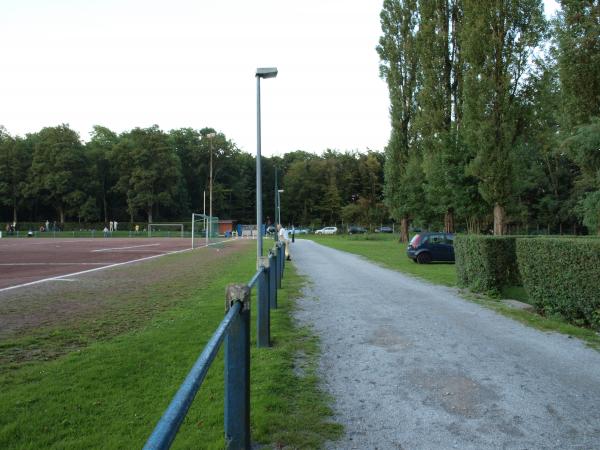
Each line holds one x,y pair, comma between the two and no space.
165,230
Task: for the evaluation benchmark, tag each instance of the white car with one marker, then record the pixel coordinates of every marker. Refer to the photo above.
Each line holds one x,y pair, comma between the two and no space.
327,230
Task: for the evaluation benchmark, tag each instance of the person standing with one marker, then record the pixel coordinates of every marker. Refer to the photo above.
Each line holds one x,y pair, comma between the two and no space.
115,225
285,238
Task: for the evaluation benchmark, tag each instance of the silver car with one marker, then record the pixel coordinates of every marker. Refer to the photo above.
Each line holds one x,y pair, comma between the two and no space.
327,230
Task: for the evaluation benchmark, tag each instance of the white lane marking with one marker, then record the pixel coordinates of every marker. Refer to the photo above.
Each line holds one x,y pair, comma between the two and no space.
60,277
124,248
66,279
57,264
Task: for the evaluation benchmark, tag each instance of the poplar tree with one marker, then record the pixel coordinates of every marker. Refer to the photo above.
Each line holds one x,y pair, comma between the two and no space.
440,109
577,34
399,67
498,38
15,160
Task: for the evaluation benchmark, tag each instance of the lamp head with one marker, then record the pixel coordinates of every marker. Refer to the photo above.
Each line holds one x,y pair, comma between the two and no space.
266,72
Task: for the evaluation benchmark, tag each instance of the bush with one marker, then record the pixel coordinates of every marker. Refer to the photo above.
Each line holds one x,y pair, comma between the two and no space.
486,263
561,277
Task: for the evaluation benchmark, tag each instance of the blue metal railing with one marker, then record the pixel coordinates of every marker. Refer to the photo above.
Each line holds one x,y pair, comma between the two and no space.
234,329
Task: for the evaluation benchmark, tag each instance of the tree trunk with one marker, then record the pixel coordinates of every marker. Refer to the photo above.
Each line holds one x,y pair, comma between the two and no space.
499,220
61,215
149,212
404,230
105,206
449,221
14,213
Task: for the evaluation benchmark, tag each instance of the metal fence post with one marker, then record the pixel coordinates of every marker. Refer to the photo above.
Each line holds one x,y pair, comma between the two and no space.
237,371
279,267
263,338
272,281
283,258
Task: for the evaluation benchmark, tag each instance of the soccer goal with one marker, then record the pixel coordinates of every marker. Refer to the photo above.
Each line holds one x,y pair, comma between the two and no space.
165,229
203,228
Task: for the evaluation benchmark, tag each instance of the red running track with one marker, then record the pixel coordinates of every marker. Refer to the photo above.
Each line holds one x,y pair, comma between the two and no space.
29,260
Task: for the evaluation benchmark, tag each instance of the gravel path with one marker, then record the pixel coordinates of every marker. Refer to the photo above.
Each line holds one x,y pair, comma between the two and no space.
413,366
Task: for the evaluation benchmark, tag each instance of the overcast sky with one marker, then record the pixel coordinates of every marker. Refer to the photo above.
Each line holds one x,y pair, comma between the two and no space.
191,63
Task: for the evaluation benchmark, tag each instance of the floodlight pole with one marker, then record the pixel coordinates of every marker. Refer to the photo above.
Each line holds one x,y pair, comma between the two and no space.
210,136
204,219
260,73
276,205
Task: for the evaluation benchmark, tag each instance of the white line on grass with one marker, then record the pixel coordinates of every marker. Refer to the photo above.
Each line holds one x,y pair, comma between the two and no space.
124,248
60,277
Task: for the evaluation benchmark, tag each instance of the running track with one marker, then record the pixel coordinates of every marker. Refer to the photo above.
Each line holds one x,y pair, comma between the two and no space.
29,261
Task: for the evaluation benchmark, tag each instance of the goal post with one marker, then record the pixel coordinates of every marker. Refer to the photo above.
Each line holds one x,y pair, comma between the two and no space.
204,227
157,227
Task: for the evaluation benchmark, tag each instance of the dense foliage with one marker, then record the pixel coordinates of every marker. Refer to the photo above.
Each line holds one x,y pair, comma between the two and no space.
147,174
486,263
495,114
561,277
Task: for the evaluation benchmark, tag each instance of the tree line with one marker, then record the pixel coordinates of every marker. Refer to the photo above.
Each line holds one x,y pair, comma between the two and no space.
147,174
495,114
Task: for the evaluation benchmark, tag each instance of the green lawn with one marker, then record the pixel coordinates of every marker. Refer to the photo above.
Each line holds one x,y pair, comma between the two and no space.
110,394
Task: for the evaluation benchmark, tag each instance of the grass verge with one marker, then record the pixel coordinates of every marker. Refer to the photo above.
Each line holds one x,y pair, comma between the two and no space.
111,393
389,253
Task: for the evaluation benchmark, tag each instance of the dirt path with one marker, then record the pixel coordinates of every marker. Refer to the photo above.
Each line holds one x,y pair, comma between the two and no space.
413,366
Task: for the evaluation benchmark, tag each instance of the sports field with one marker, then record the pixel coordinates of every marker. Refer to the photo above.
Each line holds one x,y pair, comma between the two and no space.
91,359
26,262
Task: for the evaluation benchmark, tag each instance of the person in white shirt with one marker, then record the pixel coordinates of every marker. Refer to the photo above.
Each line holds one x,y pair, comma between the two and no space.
285,238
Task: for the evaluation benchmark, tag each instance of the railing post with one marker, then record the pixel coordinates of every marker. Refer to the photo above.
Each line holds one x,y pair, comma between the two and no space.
283,258
237,371
280,256
272,281
263,326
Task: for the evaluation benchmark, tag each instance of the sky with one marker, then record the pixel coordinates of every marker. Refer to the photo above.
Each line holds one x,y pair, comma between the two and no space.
191,63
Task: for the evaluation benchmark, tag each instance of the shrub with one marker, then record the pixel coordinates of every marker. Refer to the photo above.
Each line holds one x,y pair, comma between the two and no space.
486,263
561,277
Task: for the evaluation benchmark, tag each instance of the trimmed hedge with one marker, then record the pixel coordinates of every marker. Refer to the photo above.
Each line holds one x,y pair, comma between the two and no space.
562,276
486,263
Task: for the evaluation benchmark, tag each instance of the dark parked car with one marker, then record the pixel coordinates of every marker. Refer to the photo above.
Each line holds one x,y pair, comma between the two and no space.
427,247
356,230
384,230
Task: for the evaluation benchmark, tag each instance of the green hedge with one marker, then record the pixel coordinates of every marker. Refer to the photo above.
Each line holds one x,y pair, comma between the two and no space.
486,263
562,276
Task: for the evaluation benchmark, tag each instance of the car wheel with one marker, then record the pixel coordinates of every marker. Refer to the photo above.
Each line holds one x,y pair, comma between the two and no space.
424,258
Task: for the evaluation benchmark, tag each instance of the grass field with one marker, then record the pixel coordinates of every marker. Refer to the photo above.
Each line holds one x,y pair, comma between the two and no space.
387,251
102,379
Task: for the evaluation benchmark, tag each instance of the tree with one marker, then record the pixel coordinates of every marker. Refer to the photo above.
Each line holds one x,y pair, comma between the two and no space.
99,150
58,170
150,171
15,160
584,148
498,38
576,31
439,111
399,67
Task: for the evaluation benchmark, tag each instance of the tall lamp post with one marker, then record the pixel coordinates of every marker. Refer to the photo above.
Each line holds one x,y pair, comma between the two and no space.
279,191
261,72
210,136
